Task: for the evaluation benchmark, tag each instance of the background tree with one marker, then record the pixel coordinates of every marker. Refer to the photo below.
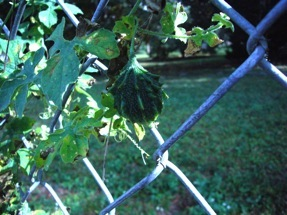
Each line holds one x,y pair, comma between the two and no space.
277,51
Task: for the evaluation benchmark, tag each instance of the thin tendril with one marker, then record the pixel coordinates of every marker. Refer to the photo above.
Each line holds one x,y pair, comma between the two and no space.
132,48
106,149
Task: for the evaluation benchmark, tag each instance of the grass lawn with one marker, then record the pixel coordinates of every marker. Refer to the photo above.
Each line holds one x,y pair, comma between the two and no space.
236,155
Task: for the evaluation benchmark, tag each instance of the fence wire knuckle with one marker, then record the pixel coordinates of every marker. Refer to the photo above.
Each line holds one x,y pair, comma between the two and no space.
256,46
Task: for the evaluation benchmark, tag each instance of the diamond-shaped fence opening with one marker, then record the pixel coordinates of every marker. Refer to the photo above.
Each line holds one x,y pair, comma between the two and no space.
256,47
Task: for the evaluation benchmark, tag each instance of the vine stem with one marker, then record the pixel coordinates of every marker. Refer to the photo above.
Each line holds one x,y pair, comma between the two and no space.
160,34
135,7
214,27
132,48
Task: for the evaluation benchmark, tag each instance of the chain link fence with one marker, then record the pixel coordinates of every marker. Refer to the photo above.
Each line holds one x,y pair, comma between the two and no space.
256,47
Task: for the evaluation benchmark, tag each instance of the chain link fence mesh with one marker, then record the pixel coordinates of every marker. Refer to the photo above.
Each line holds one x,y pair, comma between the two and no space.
256,46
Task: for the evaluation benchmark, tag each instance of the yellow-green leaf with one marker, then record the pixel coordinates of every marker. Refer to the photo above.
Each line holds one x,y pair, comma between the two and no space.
140,131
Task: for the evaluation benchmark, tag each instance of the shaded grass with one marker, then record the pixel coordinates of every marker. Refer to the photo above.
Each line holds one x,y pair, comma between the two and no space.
236,155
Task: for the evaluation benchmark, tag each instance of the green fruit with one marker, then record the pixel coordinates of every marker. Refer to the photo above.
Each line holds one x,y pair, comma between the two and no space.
138,95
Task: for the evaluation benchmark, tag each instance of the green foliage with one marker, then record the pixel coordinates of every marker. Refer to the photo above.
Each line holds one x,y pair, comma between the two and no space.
30,72
13,161
25,157
198,35
140,131
101,43
108,102
174,16
171,20
223,20
125,26
19,125
63,69
20,80
49,16
17,84
59,71
71,142
15,56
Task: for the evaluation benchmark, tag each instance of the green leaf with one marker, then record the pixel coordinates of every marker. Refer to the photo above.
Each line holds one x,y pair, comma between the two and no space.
58,39
58,73
73,146
101,43
125,26
73,8
26,157
223,19
15,51
81,121
107,100
140,131
62,68
118,123
48,17
10,165
197,38
19,81
167,19
212,39
21,100
99,114
77,116
181,32
181,16
38,56
87,123
71,142
200,35
69,149
110,113
48,149
20,125
7,91
172,18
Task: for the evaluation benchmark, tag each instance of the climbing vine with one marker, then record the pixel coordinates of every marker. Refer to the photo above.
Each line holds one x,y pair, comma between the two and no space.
57,75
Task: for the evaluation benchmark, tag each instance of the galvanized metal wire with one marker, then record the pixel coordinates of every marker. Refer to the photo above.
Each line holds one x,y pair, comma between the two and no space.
256,46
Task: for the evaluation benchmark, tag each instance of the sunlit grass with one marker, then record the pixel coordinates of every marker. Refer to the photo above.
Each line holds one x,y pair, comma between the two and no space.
236,155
